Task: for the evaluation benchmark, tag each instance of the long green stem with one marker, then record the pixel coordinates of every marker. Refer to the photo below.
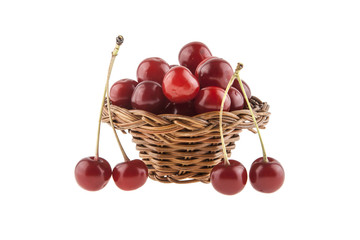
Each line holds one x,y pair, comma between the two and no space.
119,41
114,54
226,160
252,115
99,125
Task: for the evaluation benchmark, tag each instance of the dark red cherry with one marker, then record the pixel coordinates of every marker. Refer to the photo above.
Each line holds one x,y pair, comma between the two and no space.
148,96
266,177
236,85
92,174
237,99
192,54
200,65
130,175
152,69
121,91
209,99
186,109
229,179
215,72
180,85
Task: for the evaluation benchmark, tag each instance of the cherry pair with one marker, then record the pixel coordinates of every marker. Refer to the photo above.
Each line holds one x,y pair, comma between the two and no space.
231,178
93,174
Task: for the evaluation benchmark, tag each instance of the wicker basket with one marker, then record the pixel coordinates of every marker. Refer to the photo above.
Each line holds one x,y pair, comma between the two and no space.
181,149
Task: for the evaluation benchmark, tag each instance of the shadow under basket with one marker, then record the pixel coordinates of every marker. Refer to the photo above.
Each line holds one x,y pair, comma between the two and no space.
182,149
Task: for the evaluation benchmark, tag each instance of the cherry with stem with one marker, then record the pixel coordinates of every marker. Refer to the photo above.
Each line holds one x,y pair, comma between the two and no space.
228,177
266,174
128,175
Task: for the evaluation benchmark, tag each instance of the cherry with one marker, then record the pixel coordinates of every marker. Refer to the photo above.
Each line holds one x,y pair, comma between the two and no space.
130,175
152,69
215,72
229,179
148,96
246,87
121,91
266,177
200,65
186,109
180,85
209,99
92,174
237,99
266,174
192,54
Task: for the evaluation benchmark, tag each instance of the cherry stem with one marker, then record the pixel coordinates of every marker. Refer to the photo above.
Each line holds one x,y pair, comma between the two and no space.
236,74
114,54
119,41
226,160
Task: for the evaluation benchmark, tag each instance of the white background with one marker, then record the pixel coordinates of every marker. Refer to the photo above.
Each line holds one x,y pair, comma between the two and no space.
302,57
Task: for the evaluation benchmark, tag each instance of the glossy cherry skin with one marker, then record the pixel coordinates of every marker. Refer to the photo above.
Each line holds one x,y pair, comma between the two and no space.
186,109
266,177
215,72
237,99
236,85
201,64
148,96
180,85
229,179
152,69
92,174
121,92
209,99
192,54
130,175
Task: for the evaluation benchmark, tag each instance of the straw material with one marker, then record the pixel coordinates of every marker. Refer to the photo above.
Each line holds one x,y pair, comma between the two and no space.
182,149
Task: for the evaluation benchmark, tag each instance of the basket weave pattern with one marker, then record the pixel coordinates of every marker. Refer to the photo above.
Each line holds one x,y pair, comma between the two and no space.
181,149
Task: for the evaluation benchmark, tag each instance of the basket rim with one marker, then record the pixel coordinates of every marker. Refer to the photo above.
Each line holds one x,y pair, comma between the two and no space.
147,122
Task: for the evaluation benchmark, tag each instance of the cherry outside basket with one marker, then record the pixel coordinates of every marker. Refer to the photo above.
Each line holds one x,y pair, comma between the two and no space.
182,149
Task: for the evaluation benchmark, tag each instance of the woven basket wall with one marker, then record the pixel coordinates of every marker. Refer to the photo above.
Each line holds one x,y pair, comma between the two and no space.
181,149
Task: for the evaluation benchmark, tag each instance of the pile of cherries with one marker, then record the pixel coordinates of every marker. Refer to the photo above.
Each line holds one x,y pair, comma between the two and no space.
195,86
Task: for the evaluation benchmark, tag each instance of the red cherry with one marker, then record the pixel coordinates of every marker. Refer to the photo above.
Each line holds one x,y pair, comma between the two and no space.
215,72
121,91
229,179
130,175
186,109
148,96
92,174
266,177
209,99
237,99
236,85
200,65
180,85
152,69
192,54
